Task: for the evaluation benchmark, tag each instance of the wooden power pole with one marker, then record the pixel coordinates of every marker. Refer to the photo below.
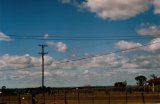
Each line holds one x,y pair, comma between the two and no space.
42,54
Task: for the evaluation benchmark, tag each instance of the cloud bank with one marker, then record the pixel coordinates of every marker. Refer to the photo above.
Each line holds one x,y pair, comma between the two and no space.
111,61
116,9
152,46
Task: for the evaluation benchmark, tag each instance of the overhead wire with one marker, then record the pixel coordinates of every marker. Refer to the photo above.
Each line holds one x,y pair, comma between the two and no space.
79,37
68,36
53,37
119,51
104,54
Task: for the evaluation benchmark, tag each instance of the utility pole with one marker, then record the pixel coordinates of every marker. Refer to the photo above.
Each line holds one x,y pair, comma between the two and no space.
43,53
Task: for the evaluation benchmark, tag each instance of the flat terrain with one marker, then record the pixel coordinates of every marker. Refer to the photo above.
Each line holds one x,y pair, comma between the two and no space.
80,97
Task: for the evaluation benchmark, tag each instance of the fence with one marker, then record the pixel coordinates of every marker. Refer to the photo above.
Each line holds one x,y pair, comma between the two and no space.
83,97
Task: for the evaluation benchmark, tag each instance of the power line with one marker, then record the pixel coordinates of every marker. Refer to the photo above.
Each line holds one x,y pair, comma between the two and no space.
84,39
119,51
69,36
80,38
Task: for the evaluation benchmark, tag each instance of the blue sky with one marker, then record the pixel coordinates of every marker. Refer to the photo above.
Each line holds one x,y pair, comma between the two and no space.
77,29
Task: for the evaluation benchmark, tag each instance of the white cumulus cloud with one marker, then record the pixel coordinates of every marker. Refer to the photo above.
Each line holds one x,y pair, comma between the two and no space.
15,62
149,30
4,37
127,45
154,45
156,4
59,46
45,36
22,62
116,9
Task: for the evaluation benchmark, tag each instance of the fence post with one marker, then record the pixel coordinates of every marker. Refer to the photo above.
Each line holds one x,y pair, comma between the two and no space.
143,98
65,97
19,98
9,98
93,96
33,99
78,95
126,98
108,97
54,98
2,97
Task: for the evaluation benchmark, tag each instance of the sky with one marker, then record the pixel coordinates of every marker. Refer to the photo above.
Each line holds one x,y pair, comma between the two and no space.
89,42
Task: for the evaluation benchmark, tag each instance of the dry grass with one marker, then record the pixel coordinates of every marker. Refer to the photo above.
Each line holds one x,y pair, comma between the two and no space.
98,97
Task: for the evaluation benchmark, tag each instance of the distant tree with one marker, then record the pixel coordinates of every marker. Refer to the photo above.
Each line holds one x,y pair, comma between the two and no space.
141,80
3,89
120,84
153,76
